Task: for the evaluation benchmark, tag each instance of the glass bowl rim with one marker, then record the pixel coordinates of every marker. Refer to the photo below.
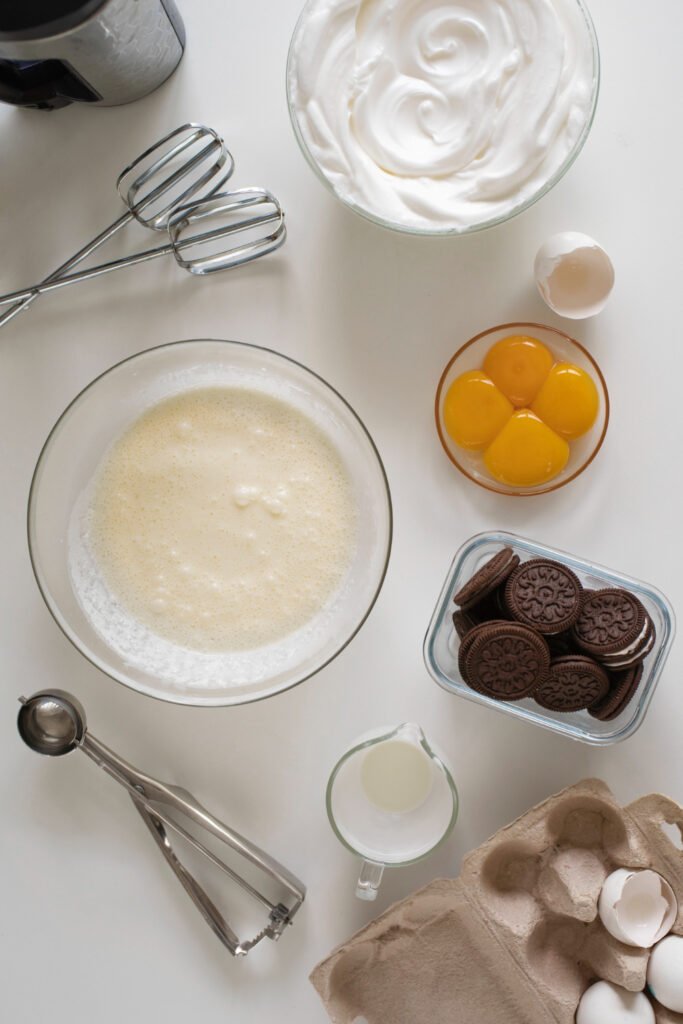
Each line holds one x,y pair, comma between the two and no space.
451,232
52,605
365,743
550,486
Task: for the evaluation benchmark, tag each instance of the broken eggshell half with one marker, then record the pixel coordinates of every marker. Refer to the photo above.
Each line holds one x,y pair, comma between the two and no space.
574,275
637,907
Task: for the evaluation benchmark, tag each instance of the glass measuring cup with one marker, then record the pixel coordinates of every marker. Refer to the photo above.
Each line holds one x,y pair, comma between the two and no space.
390,800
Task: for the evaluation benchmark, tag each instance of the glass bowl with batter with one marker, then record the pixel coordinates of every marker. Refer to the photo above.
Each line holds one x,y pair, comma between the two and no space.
209,522
440,118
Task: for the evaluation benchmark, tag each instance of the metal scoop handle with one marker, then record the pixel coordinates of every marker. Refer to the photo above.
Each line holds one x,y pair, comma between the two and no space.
52,722
189,134
206,907
214,205
146,792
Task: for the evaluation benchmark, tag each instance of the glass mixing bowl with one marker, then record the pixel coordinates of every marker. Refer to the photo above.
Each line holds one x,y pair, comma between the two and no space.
471,357
307,19
70,459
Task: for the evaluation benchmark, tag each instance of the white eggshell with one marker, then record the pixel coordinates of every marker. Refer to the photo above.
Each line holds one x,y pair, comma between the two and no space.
573,274
605,1003
637,907
665,973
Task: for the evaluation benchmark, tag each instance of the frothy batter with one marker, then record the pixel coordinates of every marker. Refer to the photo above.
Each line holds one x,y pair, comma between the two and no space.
223,519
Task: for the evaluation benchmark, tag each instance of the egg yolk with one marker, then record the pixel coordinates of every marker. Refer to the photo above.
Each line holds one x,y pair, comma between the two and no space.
567,401
518,365
526,452
474,410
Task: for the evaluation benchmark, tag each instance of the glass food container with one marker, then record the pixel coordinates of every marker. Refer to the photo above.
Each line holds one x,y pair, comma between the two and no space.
442,643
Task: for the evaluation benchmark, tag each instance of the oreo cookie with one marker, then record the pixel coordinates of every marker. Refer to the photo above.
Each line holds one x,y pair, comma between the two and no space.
463,623
487,579
505,660
622,691
485,611
637,652
560,644
544,595
573,683
465,644
611,622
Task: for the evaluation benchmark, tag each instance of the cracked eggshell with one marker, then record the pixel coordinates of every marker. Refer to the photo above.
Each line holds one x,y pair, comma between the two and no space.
665,973
637,907
605,1003
574,275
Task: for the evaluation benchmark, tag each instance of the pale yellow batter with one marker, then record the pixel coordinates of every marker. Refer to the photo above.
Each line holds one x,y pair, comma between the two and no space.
223,519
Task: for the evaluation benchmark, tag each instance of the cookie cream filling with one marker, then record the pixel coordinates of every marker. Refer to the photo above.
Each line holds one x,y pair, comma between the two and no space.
436,114
637,643
634,656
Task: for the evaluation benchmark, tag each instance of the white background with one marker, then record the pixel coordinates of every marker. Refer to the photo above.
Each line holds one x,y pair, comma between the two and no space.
93,926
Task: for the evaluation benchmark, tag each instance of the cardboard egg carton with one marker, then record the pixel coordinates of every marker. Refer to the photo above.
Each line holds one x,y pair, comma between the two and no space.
516,937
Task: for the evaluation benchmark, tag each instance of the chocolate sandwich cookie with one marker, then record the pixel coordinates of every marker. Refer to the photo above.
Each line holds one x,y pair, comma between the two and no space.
505,660
485,611
610,623
463,623
560,644
486,579
465,644
544,595
622,691
573,683
637,652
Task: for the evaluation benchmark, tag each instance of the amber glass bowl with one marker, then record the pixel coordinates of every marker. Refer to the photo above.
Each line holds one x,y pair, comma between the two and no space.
565,349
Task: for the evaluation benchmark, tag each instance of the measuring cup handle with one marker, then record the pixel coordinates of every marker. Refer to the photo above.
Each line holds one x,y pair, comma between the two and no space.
369,880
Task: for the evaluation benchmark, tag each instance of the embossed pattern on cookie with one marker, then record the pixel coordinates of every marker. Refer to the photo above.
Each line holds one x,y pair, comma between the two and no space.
544,595
609,622
506,660
573,683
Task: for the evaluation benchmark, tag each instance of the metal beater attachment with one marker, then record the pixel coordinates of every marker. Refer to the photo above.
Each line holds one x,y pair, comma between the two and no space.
190,163
251,234
53,722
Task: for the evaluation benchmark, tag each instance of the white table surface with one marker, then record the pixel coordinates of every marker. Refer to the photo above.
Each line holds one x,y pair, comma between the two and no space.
93,926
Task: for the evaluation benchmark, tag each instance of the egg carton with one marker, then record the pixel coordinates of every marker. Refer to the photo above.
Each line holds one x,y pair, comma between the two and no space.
516,937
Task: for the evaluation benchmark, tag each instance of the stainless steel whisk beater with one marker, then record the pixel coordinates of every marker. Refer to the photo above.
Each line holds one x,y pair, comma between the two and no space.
171,185
190,162
226,207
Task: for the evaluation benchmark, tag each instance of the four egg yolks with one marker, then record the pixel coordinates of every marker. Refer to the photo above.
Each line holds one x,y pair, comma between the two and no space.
521,410
518,365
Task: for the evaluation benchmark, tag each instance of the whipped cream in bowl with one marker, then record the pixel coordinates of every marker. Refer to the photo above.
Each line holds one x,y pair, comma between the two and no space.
442,116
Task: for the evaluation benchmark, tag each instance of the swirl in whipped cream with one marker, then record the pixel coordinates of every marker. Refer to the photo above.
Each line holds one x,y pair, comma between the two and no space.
441,115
